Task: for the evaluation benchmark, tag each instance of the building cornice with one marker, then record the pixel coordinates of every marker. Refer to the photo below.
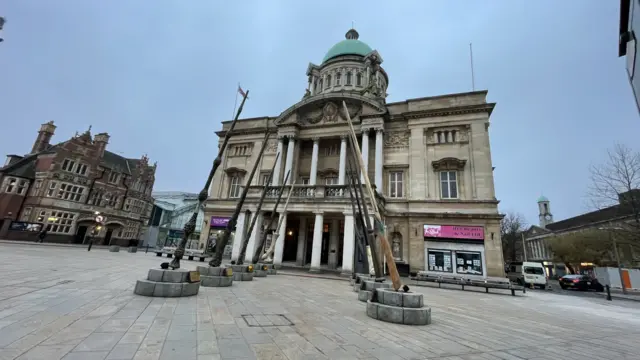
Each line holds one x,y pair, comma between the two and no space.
460,110
445,215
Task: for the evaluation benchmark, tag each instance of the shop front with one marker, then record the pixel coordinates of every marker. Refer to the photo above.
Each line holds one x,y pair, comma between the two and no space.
455,250
217,225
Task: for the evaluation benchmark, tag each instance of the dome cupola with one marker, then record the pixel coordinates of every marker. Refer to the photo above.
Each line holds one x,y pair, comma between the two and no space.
349,46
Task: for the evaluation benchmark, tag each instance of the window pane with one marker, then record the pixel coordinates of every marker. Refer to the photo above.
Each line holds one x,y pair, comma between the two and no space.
443,176
469,263
452,175
454,189
445,189
400,193
439,260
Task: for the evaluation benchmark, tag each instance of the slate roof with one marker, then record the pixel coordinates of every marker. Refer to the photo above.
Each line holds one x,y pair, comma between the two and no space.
113,161
590,218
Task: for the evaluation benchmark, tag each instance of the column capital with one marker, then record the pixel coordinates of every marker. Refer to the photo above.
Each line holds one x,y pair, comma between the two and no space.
319,212
365,131
315,139
343,138
348,213
379,131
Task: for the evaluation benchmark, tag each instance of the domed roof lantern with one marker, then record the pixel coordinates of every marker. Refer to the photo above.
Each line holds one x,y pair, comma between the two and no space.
352,34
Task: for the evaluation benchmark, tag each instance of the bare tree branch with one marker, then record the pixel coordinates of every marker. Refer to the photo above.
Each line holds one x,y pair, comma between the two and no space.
511,228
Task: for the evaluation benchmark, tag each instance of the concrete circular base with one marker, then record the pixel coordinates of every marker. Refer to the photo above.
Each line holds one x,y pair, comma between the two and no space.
114,248
167,283
242,272
260,273
365,288
398,307
364,295
215,276
271,269
132,249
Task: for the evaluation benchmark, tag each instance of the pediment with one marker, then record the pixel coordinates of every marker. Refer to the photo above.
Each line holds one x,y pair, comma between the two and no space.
327,109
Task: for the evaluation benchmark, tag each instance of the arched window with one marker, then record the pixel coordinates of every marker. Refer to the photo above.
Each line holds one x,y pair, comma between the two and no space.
359,79
349,78
328,81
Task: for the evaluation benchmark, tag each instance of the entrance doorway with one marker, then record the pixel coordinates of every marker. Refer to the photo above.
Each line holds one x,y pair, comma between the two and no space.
80,234
107,236
326,238
290,251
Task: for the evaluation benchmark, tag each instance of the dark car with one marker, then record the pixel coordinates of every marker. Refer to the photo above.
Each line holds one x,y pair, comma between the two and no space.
580,282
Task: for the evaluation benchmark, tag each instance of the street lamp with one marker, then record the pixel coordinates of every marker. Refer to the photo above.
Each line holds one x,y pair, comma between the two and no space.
615,252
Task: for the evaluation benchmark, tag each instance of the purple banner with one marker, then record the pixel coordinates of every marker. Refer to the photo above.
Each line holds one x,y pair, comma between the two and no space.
219,221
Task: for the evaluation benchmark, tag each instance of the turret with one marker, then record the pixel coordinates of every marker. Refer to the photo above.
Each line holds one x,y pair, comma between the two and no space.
44,137
101,140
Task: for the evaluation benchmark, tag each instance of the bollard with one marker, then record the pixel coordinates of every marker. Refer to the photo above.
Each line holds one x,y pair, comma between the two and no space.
147,250
608,292
90,244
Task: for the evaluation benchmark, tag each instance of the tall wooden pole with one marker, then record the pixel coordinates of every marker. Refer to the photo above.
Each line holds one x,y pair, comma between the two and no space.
280,222
263,238
190,226
224,238
245,242
393,270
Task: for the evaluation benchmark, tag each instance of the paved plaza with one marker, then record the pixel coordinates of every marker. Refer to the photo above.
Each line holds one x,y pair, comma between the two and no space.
67,303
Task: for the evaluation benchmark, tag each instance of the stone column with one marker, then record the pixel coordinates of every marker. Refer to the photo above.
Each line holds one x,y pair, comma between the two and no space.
254,238
302,242
239,237
343,159
316,249
288,165
314,162
275,181
379,160
365,153
279,249
333,244
348,245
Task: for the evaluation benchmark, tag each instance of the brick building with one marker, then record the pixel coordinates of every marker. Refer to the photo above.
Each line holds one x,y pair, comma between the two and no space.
63,185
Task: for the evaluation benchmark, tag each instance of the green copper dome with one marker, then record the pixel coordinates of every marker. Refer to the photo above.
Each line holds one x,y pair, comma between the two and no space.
350,46
543,199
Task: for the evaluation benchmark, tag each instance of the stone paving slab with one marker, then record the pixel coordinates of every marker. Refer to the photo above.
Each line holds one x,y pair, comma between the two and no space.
66,303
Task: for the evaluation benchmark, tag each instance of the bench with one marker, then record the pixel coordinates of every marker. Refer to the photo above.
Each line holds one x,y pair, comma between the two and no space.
495,283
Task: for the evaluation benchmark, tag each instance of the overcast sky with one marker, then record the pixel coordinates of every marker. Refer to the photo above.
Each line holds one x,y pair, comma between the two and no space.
160,75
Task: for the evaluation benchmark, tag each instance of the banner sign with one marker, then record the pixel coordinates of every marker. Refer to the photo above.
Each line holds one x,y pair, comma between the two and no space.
454,232
219,221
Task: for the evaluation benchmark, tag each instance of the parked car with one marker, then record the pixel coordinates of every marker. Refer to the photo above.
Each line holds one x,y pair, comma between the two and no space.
580,282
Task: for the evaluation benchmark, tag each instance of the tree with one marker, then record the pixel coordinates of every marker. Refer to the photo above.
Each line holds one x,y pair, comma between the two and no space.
617,181
511,228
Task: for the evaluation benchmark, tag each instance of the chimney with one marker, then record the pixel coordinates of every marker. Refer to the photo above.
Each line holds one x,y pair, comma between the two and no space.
101,140
44,137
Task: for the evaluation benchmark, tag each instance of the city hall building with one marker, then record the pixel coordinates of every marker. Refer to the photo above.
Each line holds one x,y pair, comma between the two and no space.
429,159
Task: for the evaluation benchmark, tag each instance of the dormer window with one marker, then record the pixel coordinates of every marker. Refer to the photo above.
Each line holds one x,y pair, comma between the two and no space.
113,177
348,78
358,79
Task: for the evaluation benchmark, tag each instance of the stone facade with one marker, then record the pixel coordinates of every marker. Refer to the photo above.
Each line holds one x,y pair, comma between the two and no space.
63,185
428,158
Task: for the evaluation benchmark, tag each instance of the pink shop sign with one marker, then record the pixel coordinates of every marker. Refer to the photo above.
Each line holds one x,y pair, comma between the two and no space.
454,232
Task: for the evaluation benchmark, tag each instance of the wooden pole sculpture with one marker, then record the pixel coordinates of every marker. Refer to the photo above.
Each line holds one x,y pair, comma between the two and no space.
190,226
224,238
245,242
371,251
393,270
263,238
360,231
272,247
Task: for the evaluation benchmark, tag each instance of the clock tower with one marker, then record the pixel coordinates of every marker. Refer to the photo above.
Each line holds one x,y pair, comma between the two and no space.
544,212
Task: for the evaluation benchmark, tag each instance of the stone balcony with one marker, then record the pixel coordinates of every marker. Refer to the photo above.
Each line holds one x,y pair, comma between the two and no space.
308,194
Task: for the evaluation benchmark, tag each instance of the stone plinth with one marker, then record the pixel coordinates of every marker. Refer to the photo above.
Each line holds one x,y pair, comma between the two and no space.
261,270
271,269
358,280
242,272
114,248
132,249
367,286
215,276
167,283
398,307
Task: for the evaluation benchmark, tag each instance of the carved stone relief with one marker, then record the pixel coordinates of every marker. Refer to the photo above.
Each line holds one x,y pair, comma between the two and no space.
272,147
397,139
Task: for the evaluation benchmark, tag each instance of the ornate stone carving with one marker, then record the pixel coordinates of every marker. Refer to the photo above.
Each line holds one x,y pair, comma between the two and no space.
329,112
448,163
272,147
397,139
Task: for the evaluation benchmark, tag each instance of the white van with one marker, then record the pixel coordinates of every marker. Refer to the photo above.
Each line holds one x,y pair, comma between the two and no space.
528,273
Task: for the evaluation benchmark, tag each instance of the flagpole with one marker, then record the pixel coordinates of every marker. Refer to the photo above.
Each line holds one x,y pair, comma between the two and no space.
473,80
235,104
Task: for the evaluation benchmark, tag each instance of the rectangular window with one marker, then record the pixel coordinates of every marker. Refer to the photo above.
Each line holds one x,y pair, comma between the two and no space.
331,180
449,184
264,180
11,185
81,169
127,204
304,181
113,177
22,187
396,184
234,187
38,184
332,150
52,188
42,216
68,165
70,192
439,260
60,222
468,263
26,214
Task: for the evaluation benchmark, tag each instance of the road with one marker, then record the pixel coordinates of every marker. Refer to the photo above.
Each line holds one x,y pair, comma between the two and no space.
67,303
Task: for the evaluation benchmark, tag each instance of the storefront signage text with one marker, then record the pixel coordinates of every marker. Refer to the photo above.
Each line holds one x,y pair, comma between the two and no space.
219,221
454,232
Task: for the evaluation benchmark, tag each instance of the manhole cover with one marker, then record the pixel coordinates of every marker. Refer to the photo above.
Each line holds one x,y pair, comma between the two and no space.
267,320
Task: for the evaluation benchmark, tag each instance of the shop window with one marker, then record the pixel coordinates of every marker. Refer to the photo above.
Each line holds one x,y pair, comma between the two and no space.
440,260
60,222
468,263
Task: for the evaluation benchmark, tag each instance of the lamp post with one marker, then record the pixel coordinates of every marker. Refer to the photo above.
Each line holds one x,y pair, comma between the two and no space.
616,254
